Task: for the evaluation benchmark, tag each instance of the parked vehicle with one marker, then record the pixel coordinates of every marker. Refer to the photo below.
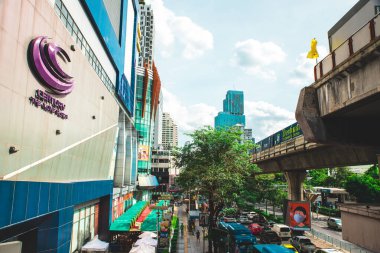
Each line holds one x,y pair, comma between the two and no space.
251,214
302,244
282,230
270,248
228,219
334,223
328,251
291,247
270,237
244,219
255,228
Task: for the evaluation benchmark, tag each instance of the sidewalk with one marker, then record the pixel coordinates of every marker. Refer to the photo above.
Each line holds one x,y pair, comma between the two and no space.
187,243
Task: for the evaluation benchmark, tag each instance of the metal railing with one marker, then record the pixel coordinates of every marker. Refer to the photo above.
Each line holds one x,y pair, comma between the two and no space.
360,39
294,145
338,243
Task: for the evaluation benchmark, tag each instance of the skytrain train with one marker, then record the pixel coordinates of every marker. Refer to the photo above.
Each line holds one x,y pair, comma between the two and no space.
283,135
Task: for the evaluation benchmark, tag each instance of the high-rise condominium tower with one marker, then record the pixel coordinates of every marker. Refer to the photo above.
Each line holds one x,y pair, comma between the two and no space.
169,131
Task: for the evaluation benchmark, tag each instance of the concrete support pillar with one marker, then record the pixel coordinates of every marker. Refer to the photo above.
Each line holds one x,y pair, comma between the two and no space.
295,188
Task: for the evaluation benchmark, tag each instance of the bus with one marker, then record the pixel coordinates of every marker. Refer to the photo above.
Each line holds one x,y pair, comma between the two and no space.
240,239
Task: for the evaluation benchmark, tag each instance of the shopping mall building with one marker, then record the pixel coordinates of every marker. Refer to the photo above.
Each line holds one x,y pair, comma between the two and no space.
68,144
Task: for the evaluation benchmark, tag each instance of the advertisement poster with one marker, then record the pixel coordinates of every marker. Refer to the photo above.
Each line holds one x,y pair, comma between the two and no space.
203,219
143,153
298,215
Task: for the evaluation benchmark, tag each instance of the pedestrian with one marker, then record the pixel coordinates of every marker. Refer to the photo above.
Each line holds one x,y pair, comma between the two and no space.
181,229
198,235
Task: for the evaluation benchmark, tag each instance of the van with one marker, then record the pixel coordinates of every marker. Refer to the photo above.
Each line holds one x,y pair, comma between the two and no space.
282,230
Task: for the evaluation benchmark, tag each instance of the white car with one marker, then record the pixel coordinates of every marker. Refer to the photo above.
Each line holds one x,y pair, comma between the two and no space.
250,215
243,219
328,251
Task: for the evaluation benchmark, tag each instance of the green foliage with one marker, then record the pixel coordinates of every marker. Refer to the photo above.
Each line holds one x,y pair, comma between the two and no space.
373,172
215,164
329,211
337,178
365,188
229,211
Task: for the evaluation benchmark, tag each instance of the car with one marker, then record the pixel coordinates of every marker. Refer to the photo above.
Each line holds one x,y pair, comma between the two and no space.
334,223
255,228
260,220
251,214
270,248
302,244
228,219
270,237
327,251
271,223
289,246
282,230
307,247
243,219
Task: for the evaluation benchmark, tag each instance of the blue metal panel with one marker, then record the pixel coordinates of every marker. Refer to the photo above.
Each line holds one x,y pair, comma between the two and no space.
62,191
64,248
43,205
115,48
19,202
100,17
53,197
33,198
6,199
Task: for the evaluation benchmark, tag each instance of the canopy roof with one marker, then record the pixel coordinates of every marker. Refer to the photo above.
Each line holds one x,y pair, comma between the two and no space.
150,222
123,223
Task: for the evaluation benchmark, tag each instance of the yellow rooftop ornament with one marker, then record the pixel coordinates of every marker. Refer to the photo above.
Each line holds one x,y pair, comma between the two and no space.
313,53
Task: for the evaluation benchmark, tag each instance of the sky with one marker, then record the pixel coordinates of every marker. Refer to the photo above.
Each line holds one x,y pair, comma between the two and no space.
203,48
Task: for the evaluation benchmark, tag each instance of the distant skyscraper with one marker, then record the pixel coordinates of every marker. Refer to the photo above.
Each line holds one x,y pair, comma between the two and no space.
169,132
147,32
247,134
233,110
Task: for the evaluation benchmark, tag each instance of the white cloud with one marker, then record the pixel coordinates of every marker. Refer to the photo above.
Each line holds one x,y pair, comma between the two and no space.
188,118
256,57
303,74
265,119
172,30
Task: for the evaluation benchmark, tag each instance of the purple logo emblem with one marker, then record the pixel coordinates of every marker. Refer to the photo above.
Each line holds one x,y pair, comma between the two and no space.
44,60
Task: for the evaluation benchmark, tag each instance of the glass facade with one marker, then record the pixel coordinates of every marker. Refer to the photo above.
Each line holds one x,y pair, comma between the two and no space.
233,110
234,102
143,122
228,120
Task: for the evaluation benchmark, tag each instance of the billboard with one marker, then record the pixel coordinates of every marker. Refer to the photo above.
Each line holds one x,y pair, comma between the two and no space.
298,215
203,219
143,153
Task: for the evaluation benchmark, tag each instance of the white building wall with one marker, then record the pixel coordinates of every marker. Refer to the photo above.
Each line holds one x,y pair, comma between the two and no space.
85,26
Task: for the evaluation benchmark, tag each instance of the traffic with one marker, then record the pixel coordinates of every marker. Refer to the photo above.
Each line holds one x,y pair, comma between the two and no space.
250,232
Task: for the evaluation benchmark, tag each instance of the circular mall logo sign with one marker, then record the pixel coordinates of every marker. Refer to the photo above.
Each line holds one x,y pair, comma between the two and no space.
43,58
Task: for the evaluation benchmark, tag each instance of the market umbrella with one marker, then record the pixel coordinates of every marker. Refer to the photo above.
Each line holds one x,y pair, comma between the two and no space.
95,245
144,248
148,234
147,241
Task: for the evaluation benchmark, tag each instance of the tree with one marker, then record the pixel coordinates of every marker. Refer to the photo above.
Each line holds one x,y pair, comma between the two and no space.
373,171
365,188
215,164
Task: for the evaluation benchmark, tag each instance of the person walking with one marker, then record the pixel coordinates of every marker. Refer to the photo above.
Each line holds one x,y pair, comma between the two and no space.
198,234
181,229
